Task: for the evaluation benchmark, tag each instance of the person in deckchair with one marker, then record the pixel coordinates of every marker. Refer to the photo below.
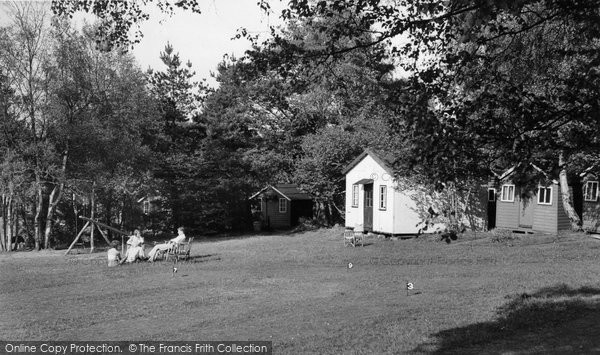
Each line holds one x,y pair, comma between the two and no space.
168,245
114,257
135,247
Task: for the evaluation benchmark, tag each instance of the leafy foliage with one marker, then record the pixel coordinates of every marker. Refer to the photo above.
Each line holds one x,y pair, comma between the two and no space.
118,17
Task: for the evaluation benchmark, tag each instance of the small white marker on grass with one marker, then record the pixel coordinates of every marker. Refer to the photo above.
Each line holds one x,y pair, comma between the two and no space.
409,286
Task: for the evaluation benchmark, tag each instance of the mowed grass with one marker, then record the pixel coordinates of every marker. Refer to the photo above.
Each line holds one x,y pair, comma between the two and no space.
535,294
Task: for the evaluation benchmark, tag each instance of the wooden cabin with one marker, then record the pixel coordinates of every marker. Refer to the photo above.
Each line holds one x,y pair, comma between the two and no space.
281,206
150,204
540,209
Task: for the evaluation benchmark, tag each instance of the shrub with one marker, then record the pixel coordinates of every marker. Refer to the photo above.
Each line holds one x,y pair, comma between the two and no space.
502,236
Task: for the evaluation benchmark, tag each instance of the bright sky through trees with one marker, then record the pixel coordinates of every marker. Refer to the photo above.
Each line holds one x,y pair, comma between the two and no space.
201,38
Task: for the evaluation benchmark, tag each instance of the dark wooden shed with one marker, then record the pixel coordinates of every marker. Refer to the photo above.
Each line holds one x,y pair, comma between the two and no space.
282,205
539,209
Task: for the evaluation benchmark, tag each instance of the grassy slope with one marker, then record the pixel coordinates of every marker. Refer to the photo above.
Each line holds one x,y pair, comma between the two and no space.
540,294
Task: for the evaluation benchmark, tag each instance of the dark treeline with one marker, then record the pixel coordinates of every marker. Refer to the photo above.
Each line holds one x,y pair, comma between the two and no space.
487,86
86,132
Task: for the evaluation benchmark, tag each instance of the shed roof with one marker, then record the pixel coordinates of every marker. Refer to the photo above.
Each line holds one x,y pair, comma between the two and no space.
376,156
288,191
593,170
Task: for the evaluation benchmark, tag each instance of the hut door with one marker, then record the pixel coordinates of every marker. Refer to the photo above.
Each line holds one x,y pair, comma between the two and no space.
526,211
491,209
368,209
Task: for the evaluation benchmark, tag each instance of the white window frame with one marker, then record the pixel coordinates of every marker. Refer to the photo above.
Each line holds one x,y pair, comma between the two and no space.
494,194
383,197
511,197
282,206
146,206
260,203
355,195
539,195
585,193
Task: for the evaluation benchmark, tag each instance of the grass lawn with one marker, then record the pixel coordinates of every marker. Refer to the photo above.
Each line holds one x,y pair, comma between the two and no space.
535,294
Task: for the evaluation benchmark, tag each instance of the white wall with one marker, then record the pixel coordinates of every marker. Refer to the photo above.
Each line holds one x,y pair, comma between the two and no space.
407,219
400,216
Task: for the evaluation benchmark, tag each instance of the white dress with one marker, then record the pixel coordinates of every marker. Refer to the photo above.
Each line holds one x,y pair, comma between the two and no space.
135,248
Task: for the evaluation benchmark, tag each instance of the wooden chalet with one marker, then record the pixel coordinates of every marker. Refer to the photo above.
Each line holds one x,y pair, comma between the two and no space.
282,205
539,209
373,200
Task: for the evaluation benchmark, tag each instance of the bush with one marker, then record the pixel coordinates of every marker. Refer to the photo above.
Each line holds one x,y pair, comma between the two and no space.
502,236
307,225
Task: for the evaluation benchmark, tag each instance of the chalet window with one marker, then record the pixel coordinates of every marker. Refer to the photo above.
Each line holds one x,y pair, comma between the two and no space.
544,195
382,197
491,195
282,205
591,191
146,206
260,202
508,193
354,195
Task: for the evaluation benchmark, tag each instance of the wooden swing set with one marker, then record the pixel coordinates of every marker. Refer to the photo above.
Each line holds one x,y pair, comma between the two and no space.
99,226
96,225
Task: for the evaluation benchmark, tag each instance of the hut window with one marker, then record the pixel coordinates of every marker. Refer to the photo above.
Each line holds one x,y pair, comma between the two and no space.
260,202
382,197
591,191
282,205
491,195
146,207
544,195
508,193
354,195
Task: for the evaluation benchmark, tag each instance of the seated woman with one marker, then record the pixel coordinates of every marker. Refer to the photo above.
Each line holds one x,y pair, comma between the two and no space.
135,247
114,257
168,245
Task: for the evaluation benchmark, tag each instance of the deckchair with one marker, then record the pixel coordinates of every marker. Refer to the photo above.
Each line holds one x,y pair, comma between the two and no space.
180,250
354,236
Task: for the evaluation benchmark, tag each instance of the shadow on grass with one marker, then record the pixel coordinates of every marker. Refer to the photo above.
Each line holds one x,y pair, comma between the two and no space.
203,258
556,319
192,259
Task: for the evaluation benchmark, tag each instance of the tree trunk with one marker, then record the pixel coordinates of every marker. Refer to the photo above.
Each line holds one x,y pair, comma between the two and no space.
2,224
566,196
15,223
93,216
9,224
75,212
54,199
331,220
107,217
26,225
38,215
